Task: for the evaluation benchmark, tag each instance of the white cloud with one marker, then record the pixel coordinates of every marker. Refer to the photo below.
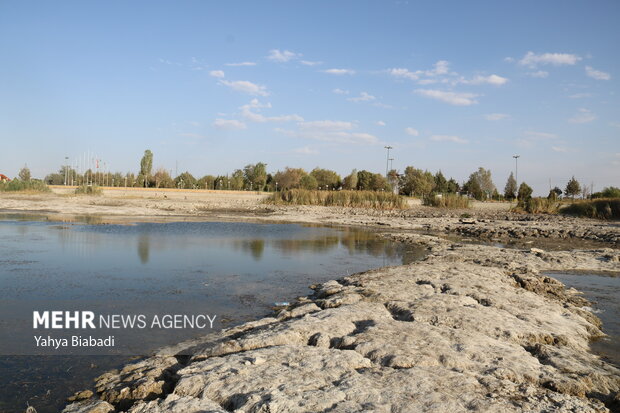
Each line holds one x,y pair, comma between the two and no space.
559,148
363,97
330,131
453,98
540,135
249,114
439,68
541,74
491,80
402,72
340,91
339,71
310,63
584,116
411,131
277,55
580,95
217,73
241,64
380,123
448,138
532,59
597,74
306,150
245,86
496,116
231,124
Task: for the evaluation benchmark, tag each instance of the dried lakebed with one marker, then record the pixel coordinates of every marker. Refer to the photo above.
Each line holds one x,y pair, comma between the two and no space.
470,328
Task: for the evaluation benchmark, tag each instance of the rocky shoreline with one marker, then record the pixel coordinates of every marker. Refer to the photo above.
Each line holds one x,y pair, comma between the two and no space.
470,328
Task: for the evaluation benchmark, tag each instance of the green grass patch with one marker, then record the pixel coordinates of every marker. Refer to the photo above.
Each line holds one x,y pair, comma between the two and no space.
17,185
88,190
451,201
599,208
359,199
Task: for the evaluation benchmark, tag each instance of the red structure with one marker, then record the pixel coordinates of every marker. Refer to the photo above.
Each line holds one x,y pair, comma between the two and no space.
4,178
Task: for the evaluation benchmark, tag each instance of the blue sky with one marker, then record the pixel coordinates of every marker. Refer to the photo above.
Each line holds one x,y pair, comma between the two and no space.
212,86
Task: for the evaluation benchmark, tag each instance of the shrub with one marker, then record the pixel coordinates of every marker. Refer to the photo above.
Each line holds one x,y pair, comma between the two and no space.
600,208
88,190
446,201
537,206
362,199
33,185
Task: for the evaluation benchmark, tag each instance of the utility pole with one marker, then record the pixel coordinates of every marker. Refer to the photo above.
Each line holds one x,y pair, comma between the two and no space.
66,168
387,162
516,168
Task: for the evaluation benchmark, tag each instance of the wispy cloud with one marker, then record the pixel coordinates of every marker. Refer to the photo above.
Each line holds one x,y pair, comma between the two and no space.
453,98
249,112
230,124
448,138
340,91
306,150
363,97
540,135
245,86
597,74
559,148
541,74
339,71
580,95
496,116
532,59
330,131
411,131
241,64
403,73
380,123
282,56
217,73
491,80
584,116
310,63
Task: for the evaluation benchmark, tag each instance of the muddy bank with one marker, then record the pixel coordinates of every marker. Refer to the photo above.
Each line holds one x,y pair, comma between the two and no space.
471,328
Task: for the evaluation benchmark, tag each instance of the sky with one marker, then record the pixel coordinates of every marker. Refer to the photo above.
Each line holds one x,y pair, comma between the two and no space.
210,87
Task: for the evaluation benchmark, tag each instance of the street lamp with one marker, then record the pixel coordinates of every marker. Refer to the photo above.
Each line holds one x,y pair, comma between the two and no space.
516,167
387,162
66,168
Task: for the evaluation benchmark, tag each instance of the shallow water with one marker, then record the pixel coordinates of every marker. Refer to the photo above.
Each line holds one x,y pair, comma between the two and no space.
603,291
236,270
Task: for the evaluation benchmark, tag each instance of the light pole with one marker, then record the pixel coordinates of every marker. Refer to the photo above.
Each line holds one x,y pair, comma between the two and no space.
387,162
516,168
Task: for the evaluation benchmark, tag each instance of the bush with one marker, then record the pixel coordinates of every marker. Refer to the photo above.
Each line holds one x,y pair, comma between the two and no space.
537,206
446,201
361,199
88,190
33,185
609,192
600,208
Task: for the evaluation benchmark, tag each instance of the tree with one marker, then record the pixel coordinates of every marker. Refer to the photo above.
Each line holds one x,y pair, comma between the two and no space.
480,184
554,194
416,182
163,179
255,175
146,165
326,178
290,178
525,192
441,184
511,187
350,181
185,181
236,180
609,192
572,188
308,182
453,186
207,182
24,174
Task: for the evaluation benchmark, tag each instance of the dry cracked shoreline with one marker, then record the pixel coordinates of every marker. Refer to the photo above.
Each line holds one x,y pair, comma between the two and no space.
470,328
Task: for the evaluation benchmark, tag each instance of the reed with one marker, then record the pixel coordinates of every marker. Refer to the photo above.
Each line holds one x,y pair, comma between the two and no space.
450,201
356,199
599,208
538,206
89,190
18,185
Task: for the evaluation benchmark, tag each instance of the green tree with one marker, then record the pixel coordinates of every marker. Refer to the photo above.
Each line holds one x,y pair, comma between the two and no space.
453,186
290,178
24,174
525,192
416,182
441,184
554,194
146,166
308,182
207,182
326,177
572,188
255,175
163,179
236,180
364,180
480,184
511,187
350,181
185,181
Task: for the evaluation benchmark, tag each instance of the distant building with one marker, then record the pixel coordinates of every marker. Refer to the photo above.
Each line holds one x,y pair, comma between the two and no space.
4,178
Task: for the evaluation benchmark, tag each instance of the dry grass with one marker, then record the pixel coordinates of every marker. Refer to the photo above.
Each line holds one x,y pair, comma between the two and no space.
450,201
599,208
357,199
